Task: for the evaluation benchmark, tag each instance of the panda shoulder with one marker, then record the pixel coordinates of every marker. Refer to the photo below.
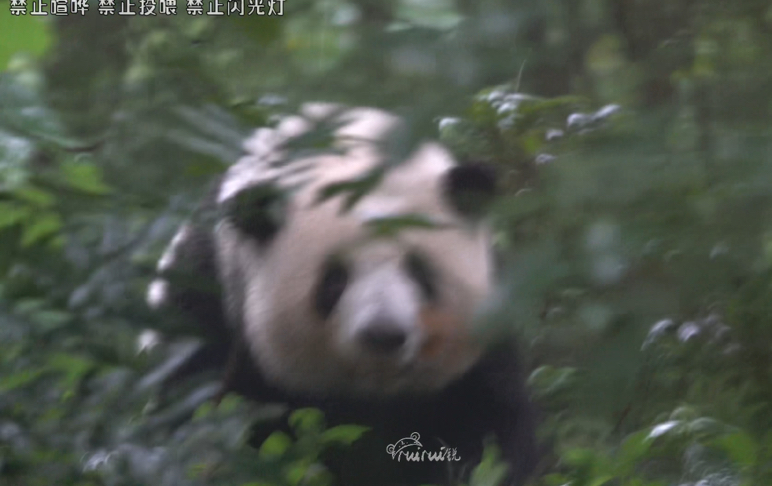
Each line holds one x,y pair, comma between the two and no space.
189,257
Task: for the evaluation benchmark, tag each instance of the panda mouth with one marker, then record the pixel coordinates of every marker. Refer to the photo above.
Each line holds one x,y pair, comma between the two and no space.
388,379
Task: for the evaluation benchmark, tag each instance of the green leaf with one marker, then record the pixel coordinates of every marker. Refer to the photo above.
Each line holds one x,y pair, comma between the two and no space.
344,434
275,445
356,188
321,137
26,307
532,142
634,448
51,319
262,29
206,167
11,214
390,226
741,447
579,457
555,479
73,367
84,176
17,380
229,403
35,196
600,480
491,471
305,420
203,411
22,33
705,428
296,471
47,224
318,475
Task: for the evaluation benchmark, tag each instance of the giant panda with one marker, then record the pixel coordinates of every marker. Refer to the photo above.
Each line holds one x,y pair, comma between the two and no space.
311,305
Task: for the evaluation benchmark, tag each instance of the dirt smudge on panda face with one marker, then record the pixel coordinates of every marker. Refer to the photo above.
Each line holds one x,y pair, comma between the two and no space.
447,341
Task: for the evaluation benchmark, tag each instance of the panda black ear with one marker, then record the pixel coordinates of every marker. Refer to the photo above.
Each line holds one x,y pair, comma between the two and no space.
257,211
471,188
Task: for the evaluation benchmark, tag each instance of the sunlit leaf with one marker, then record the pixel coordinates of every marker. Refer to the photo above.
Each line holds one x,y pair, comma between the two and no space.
633,449
390,226
15,380
741,447
275,445
84,176
51,319
73,367
344,434
306,420
22,33
44,225
296,471
491,471
35,196
11,214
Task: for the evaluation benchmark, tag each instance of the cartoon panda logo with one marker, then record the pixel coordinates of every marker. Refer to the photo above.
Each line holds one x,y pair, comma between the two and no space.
396,448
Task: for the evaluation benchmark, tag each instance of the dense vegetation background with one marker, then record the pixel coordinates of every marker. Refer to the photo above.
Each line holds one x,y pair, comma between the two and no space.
634,136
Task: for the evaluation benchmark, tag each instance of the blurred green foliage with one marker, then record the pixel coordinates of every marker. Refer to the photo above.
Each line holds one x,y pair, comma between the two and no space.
633,138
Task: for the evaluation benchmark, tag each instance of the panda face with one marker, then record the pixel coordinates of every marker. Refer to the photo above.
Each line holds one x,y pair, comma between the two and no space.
379,301
379,317
329,307
332,283
377,307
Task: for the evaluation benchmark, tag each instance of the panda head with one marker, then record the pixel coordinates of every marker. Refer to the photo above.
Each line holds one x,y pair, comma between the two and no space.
326,304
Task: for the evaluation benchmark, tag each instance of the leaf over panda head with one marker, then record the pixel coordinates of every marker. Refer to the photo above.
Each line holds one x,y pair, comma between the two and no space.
388,227
317,141
356,188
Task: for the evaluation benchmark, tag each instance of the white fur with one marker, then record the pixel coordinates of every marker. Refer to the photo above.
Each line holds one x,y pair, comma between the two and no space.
267,146
170,255
294,347
158,290
382,290
157,293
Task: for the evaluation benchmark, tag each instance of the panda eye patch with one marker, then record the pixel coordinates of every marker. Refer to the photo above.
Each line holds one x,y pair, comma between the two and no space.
331,286
257,211
421,271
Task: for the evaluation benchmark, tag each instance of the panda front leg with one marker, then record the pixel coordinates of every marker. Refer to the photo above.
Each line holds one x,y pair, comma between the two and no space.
186,289
497,401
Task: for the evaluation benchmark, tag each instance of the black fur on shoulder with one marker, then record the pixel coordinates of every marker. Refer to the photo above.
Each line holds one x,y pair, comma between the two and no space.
193,291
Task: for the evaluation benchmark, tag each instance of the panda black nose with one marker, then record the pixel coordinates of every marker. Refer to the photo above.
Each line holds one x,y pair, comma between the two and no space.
383,338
